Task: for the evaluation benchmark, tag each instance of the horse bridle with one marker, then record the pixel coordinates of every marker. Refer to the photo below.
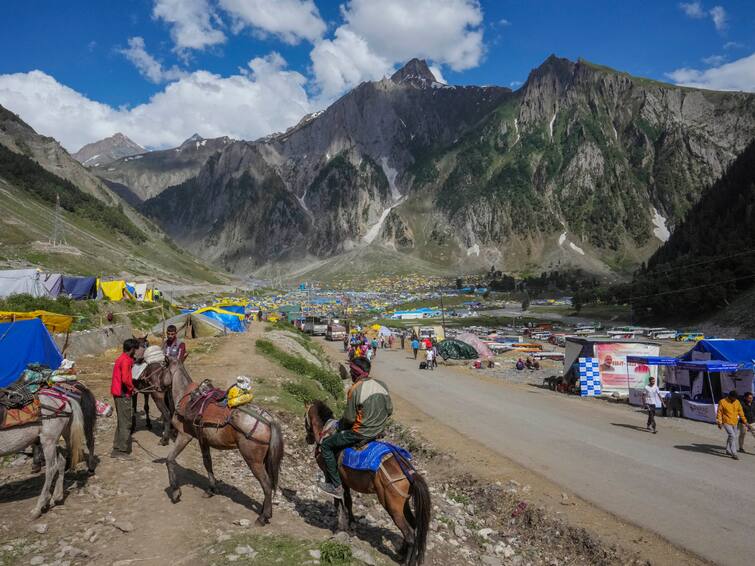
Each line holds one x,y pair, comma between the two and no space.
152,387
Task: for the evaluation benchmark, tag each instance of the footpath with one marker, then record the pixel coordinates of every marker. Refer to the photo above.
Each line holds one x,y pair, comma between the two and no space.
122,515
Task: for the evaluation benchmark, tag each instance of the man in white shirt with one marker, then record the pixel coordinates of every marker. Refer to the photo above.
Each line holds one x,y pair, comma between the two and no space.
429,358
651,399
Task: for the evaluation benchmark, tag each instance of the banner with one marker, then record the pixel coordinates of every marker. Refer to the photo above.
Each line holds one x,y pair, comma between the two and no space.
615,376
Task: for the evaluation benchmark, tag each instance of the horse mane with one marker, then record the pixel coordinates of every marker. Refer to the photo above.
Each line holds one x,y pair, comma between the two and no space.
324,412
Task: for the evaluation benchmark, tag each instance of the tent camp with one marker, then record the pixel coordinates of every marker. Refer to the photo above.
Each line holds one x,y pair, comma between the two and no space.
25,342
708,371
233,322
79,287
53,283
18,281
191,325
113,290
456,350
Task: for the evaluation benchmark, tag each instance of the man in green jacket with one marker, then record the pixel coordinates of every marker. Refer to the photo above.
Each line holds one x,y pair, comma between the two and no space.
367,410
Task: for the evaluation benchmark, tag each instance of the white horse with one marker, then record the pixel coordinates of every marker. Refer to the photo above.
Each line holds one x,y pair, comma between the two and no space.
64,417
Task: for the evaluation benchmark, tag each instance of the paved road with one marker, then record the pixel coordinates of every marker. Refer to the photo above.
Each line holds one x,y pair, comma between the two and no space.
676,483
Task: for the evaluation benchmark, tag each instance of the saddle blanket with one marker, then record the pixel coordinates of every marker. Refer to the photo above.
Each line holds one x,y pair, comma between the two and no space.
370,457
17,417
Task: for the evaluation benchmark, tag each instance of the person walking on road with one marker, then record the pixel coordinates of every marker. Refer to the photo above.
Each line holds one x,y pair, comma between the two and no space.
403,340
728,417
748,408
415,346
651,399
122,388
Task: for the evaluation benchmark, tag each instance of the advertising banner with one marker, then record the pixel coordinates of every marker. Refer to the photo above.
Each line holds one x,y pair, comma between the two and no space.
615,376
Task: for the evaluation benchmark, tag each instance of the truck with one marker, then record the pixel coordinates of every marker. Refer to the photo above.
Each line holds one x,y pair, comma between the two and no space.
315,326
335,332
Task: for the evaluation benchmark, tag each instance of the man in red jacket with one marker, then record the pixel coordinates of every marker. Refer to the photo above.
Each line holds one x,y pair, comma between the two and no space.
122,388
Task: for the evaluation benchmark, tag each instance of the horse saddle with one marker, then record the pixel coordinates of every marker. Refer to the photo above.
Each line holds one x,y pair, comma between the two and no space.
201,406
12,417
370,456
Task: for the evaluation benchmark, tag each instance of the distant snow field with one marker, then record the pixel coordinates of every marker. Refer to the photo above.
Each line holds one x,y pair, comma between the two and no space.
660,230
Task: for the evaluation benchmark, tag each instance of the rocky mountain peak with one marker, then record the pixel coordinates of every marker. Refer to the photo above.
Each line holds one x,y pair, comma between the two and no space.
414,70
108,150
194,138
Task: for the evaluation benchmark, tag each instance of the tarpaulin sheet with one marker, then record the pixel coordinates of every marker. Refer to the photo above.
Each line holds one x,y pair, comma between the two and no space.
456,350
482,349
53,321
80,287
21,281
231,320
370,457
25,342
113,290
53,283
741,352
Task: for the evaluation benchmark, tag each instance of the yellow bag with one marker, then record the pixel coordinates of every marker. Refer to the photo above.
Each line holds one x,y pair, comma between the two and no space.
238,396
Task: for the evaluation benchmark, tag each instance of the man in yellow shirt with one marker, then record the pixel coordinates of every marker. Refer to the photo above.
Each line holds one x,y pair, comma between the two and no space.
729,415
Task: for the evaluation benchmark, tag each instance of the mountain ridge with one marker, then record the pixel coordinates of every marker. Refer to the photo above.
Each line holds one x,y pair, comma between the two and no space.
107,150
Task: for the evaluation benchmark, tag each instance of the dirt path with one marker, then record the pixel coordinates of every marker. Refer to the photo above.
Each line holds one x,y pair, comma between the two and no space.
562,449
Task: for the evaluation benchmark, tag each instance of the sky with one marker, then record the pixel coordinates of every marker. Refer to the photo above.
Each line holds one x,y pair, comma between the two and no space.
162,70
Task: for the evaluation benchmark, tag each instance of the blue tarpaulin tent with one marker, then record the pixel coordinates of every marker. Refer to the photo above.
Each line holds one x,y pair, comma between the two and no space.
80,287
741,352
231,321
25,342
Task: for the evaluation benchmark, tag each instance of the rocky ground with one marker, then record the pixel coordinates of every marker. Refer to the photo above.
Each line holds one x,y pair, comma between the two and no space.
122,515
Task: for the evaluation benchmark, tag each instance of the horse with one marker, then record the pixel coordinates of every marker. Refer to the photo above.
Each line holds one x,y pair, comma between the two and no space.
260,444
61,416
143,344
394,494
156,383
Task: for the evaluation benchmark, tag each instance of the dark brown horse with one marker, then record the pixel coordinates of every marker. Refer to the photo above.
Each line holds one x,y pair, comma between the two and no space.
260,443
155,382
395,483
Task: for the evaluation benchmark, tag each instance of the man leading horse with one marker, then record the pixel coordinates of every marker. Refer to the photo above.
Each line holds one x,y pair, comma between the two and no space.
367,411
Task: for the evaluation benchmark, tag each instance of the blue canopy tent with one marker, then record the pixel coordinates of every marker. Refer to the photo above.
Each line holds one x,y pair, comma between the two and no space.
79,287
231,322
25,342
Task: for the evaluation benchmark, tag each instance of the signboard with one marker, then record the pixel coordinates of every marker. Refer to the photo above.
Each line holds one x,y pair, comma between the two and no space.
615,376
589,377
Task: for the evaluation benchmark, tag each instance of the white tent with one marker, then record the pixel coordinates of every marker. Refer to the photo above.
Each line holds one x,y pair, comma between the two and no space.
18,281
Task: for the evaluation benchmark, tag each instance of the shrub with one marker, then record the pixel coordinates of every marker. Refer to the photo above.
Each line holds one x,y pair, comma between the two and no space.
334,552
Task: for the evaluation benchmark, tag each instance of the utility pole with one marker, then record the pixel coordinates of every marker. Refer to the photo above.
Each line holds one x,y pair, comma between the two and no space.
442,314
57,228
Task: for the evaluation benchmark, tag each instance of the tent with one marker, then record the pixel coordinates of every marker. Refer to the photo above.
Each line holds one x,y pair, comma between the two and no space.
480,347
114,290
190,325
22,281
22,343
53,322
232,321
53,283
456,350
80,287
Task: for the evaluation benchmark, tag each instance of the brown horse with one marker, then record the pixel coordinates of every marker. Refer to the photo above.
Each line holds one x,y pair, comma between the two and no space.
155,382
260,444
395,483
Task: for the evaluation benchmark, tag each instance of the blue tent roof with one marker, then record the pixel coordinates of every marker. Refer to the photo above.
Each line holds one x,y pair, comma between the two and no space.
741,352
25,342
80,287
231,322
709,365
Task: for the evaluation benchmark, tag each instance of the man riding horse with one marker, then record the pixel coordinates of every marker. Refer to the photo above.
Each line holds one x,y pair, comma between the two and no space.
367,410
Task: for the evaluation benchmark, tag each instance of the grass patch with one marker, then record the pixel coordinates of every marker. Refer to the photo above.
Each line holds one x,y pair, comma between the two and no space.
329,380
334,552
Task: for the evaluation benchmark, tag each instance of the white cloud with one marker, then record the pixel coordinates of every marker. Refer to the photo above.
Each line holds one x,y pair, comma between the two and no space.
733,45
737,75
376,36
263,99
345,61
148,66
290,20
714,60
504,22
719,16
192,23
693,9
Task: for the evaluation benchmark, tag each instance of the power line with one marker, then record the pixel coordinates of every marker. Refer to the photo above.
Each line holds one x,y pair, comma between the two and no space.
693,288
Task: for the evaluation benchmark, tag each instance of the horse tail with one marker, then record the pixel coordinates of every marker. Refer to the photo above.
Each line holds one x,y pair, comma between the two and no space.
274,453
89,412
421,500
76,435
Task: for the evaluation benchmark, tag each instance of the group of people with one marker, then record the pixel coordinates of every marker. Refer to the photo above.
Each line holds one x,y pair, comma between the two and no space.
529,363
127,372
734,416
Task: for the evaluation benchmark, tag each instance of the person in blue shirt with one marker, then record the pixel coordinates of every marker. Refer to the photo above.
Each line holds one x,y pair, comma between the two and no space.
415,346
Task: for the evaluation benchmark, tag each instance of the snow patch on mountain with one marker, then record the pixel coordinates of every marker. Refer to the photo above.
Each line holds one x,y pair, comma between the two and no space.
660,230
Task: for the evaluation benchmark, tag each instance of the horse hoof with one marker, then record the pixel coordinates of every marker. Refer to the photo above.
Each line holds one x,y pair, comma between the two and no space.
149,425
163,442
36,514
261,521
36,469
209,493
175,496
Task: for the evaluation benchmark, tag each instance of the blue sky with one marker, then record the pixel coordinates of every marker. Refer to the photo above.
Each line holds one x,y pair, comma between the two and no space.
161,69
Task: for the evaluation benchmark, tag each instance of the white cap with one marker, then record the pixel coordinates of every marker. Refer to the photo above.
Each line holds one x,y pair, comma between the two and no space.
243,382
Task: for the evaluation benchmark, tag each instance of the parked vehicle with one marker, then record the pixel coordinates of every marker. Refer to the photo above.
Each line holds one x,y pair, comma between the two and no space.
335,332
689,336
662,334
315,326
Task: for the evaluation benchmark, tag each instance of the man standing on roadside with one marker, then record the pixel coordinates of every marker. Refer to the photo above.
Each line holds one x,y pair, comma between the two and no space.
415,346
729,415
121,388
748,408
403,339
652,398
173,347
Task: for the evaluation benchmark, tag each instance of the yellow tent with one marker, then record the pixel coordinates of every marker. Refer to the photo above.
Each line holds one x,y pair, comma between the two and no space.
113,290
54,322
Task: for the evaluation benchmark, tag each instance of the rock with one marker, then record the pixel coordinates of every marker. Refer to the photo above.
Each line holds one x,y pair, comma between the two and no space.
459,531
315,554
363,556
222,537
489,560
242,522
485,533
124,526
37,560
40,528
245,550
232,557
342,537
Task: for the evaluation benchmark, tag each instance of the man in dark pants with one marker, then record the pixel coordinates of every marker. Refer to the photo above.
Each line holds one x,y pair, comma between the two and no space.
122,388
367,410
748,407
403,339
652,398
